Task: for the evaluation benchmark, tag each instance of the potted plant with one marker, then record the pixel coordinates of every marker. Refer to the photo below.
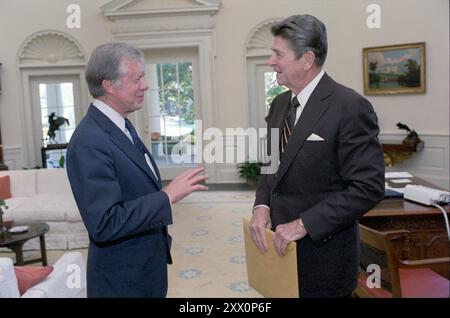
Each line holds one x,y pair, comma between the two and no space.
250,170
2,206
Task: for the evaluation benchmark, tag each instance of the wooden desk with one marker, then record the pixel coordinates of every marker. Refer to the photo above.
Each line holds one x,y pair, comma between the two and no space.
428,235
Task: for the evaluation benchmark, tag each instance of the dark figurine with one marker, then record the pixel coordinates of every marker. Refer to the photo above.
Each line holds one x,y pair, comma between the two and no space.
412,139
54,123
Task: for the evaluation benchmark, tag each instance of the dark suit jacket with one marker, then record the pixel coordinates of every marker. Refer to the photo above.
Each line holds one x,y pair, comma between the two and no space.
123,208
329,184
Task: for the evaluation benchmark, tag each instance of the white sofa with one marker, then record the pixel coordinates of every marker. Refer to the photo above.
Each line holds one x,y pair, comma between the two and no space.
67,280
45,195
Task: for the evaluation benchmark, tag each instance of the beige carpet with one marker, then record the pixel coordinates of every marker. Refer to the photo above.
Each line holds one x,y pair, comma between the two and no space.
208,246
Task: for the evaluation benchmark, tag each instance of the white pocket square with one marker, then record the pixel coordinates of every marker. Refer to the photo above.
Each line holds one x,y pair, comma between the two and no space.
314,137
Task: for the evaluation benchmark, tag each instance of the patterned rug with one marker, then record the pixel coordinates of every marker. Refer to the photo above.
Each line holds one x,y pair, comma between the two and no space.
208,246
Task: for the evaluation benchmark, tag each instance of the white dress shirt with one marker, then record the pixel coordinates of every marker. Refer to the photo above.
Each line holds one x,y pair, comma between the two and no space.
302,97
119,121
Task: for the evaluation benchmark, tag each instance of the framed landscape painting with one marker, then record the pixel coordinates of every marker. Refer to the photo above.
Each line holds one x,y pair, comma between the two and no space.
394,69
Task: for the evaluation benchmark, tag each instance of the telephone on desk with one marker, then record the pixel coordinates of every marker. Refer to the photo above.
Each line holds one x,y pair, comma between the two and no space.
419,193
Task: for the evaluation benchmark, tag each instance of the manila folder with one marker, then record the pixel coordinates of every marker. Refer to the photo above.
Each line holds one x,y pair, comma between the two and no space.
271,275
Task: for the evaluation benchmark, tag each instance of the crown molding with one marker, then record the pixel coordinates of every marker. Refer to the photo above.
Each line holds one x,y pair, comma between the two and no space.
123,9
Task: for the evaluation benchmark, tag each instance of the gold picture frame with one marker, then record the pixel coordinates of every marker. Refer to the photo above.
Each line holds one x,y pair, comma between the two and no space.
394,69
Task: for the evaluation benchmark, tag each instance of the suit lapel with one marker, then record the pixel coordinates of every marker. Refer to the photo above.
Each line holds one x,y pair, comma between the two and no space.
123,143
317,104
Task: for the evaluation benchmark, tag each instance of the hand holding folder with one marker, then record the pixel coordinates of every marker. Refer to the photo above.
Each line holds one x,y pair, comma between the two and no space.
268,273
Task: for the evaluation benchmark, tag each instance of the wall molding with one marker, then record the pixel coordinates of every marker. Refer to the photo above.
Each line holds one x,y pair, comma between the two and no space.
50,48
190,15
177,26
431,163
260,39
124,8
12,156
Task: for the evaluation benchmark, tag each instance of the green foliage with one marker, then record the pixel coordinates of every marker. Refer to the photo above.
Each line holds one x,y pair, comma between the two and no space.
272,87
374,79
177,94
249,170
412,77
2,205
62,161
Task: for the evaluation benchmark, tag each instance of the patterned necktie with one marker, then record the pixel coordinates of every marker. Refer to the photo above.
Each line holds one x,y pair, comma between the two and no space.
136,140
289,123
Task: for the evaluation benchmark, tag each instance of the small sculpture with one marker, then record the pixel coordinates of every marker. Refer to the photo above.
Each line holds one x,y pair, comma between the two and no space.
54,123
412,139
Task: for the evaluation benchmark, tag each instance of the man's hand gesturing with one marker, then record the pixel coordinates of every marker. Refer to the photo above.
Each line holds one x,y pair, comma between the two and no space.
185,184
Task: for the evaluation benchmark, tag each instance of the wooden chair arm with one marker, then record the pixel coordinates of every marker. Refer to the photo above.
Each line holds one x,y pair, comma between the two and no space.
423,263
396,234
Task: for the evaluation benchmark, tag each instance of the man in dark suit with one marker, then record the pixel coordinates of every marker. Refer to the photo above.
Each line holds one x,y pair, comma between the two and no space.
331,164
117,185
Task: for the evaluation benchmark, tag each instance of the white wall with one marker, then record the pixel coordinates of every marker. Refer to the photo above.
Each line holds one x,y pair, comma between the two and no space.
19,19
403,21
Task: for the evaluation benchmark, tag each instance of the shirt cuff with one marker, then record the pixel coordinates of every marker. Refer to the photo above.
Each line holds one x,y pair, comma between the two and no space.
260,206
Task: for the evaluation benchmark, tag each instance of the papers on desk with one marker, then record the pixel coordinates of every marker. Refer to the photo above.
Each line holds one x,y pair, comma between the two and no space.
390,175
271,275
396,179
401,181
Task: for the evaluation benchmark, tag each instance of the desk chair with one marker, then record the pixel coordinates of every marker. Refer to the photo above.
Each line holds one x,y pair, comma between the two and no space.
399,278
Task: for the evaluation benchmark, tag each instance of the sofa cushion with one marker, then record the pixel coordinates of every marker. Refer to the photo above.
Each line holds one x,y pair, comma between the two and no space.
23,182
44,207
53,181
28,276
12,204
8,280
5,188
72,212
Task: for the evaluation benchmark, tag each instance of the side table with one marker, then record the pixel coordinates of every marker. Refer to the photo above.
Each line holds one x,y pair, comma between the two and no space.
15,241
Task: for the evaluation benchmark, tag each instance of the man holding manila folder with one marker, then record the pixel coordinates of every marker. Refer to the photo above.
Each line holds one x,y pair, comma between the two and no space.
331,165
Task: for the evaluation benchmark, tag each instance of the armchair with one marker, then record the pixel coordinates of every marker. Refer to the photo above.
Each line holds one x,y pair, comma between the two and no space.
399,278
67,280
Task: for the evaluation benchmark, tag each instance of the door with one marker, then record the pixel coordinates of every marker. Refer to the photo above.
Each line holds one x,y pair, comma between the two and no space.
56,109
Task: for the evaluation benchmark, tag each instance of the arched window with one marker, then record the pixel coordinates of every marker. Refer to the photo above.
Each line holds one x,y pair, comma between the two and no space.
51,66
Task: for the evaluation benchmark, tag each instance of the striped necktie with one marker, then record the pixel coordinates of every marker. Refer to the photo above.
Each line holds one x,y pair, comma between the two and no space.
289,123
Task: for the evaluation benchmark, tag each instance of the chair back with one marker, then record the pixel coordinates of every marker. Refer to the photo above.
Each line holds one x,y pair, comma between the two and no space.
376,248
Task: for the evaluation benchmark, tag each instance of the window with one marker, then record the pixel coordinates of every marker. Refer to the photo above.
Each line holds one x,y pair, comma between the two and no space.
55,109
177,113
57,104
272,89
174,100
